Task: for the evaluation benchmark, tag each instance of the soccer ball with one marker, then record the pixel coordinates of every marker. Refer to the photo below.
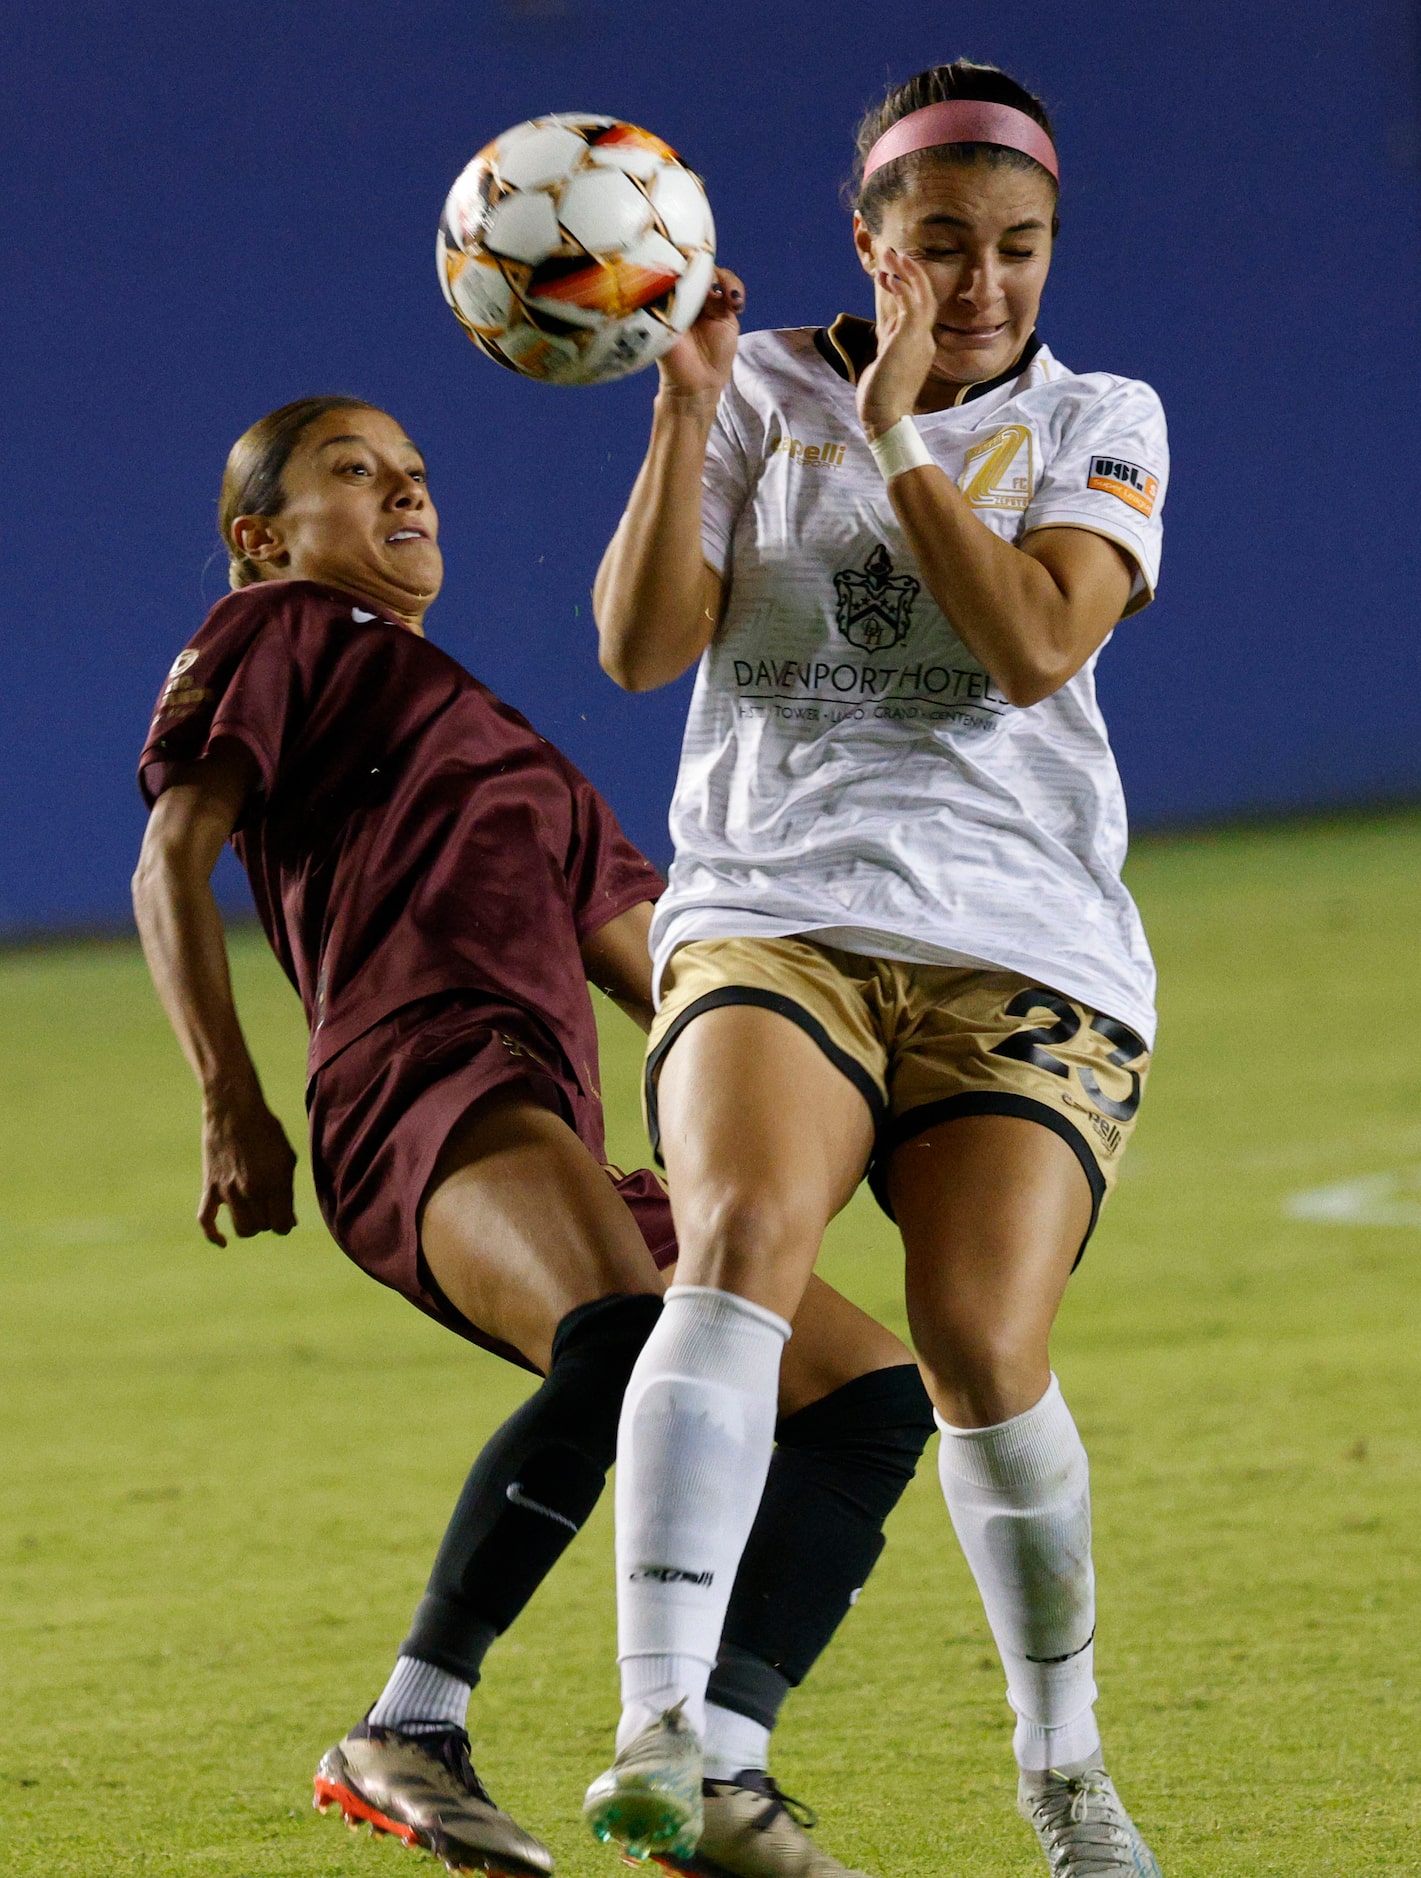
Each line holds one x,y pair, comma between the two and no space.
576,249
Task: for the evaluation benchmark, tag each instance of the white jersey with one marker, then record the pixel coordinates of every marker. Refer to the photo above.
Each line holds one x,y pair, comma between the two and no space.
849,770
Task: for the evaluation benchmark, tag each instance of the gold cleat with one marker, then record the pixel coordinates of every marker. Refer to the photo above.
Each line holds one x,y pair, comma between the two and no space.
422,1790
752,1830
649,1799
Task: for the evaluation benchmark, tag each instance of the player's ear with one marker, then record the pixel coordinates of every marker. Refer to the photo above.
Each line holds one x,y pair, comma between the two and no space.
863,241
258,538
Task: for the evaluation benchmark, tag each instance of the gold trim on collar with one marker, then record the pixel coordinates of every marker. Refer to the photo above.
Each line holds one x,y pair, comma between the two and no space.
856,342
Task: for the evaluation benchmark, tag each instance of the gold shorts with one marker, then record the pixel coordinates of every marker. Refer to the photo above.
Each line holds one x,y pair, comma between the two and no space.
925,1043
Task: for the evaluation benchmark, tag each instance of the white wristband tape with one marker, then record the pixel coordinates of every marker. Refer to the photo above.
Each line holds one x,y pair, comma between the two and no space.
899,449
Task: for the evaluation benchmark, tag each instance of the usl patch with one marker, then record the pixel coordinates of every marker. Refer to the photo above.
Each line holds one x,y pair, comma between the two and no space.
1126,480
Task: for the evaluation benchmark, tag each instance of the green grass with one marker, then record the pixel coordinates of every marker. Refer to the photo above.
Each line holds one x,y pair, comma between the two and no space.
223,1474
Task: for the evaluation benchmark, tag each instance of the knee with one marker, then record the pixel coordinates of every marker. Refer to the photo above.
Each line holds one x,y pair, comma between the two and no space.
979,1375
870,1432
734,1234
594,1352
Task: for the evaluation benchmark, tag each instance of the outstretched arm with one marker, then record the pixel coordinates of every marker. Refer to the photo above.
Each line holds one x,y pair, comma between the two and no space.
1032,615
656,602
247,1162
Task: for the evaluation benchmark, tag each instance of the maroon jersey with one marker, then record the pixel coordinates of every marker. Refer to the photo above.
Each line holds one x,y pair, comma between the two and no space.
409,833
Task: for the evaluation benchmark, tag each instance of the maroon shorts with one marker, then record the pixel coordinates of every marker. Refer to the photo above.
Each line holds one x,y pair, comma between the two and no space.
382,1110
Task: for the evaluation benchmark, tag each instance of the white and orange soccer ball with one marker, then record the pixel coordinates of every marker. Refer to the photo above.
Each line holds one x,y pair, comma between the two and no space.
576,249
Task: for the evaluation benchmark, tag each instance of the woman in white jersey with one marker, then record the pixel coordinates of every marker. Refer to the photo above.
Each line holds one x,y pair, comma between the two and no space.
896,941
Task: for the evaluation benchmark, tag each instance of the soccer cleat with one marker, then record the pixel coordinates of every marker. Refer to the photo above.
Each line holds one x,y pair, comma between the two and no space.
422,1788
1084,1829
752,1830
649,1799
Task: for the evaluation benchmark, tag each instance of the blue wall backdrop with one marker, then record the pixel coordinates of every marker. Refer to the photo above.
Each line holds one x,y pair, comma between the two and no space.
209,210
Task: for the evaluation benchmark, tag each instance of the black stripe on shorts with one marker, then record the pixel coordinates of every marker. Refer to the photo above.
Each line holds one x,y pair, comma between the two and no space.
765,1001
985,1102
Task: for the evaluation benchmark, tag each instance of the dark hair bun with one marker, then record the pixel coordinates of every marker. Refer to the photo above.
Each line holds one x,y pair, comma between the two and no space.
251,483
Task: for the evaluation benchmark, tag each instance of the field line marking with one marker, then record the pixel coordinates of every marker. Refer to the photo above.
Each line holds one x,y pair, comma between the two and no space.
1369,1200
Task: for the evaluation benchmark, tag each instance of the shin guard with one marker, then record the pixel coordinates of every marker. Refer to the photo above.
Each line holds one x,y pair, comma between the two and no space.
840,1467
532,1487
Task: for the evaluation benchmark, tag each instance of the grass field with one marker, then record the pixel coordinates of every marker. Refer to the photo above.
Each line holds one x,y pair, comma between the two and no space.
222,1475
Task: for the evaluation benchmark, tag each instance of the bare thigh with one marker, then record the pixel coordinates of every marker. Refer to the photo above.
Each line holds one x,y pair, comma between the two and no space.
993,1209
521,1225
764,1141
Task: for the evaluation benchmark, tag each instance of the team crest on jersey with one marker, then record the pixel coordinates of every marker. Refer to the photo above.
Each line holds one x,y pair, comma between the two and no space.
182,695
875,608
1000,472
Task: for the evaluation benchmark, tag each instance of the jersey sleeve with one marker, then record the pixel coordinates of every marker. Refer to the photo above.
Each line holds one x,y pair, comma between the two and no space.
235,681
726,482
606,875
1109,475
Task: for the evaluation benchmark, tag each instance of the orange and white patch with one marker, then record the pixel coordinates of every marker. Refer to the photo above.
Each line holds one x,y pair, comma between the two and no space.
1127,480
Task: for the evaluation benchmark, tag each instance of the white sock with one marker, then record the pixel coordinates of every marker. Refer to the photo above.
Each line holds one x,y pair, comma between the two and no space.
421,1698
693,1449
1019,1496
733,1743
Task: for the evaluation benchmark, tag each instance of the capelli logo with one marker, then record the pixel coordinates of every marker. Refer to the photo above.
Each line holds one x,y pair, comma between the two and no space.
670,1575
811,455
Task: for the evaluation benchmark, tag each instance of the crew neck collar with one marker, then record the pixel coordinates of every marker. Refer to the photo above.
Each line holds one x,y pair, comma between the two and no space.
850,345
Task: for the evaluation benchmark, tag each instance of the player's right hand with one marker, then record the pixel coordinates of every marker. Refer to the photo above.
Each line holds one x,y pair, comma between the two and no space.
703,358
247,1166
905,307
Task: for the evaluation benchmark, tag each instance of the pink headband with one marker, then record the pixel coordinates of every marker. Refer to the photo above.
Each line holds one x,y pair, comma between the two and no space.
963,120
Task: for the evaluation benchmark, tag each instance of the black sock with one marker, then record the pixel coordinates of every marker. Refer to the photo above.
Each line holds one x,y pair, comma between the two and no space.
840,1467
532,1487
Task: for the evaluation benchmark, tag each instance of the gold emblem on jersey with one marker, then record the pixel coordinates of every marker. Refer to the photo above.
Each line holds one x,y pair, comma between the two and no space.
1000,472
812,455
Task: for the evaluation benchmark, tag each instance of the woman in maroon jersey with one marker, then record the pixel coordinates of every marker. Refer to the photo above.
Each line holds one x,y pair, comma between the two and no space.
438,883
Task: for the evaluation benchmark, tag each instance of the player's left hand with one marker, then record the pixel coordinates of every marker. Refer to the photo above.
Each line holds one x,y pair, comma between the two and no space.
702,359
247,1166
905,311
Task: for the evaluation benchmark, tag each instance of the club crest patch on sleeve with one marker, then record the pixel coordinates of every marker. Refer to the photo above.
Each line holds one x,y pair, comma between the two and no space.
1126,480
181,695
